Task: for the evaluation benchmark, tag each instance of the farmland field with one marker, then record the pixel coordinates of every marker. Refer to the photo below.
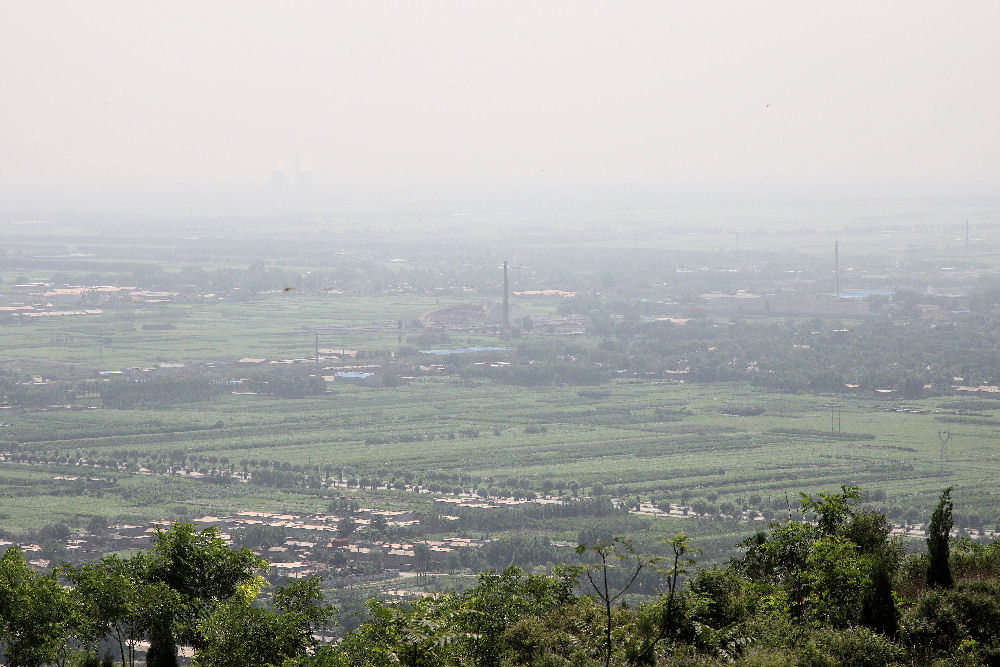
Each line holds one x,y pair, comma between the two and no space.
646,439
128,398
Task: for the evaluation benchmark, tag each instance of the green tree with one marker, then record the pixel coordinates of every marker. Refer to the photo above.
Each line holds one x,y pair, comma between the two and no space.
117,601
239,634
301,602
832,510
259,537
486,611
375,642
37,617
881,556
835,579
619,552
838,572
53,551
779,558
938,543
421,557
679,561
879,610
162,647
479,627
346,526
202,570
98,525
378,524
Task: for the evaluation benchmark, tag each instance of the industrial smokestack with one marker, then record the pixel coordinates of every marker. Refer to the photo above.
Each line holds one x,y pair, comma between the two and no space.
836,264
506,298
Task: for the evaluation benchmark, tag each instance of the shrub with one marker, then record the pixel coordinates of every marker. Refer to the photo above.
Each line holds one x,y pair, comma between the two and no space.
860,647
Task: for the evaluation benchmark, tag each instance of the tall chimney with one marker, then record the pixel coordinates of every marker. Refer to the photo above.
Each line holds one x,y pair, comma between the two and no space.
506,298
836,264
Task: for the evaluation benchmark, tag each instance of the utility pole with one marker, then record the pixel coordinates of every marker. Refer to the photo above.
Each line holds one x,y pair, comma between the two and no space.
316,350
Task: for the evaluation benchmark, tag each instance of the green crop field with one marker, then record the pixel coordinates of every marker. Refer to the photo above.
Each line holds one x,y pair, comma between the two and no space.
619,440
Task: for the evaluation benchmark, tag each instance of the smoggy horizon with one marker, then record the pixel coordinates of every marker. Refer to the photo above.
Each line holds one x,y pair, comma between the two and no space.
551,100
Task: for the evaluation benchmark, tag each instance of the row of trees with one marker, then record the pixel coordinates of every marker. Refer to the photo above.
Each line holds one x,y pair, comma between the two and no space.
817,355
150,391
286,474
789,356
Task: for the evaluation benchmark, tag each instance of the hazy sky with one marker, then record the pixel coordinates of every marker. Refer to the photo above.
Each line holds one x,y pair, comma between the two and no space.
512,94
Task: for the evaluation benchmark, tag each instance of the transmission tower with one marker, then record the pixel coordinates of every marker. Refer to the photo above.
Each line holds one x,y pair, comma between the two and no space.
944,437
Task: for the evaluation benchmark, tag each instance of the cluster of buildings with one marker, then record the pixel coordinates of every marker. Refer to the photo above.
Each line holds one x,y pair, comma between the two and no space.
747,303
35,300
451,503
488,317
856,304
310,541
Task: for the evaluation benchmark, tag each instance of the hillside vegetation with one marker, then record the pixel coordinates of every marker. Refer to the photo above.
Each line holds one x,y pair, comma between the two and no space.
832,589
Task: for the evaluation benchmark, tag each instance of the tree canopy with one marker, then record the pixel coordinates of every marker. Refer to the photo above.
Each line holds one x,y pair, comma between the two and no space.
833,588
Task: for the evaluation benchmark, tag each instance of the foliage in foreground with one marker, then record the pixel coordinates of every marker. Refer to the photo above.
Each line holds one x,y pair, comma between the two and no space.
835,590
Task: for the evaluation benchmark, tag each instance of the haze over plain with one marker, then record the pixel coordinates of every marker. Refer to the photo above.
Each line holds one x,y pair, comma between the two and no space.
784,97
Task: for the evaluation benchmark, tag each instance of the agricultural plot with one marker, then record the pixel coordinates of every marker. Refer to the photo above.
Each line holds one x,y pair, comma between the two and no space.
281,327
666,443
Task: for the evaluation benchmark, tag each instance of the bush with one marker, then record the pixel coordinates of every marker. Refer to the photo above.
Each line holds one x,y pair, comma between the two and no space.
933,624
860,647
86,660
971,559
